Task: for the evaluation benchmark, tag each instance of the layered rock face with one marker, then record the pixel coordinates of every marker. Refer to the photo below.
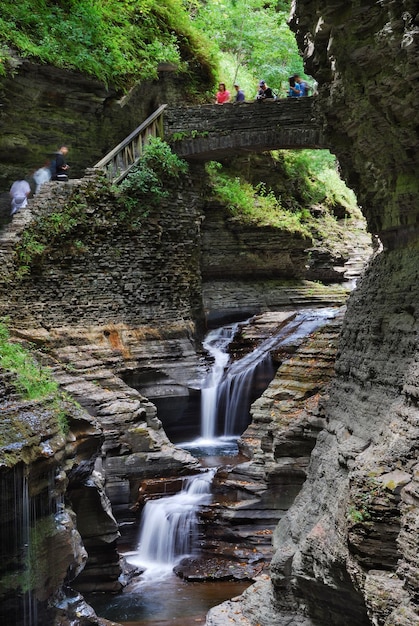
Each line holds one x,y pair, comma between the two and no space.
346,550
361,54
41,468
143,272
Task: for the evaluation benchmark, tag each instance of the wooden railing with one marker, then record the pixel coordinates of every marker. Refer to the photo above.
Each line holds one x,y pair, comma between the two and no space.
118,162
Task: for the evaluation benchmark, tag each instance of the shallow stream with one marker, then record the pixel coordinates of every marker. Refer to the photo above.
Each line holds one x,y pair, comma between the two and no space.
172,602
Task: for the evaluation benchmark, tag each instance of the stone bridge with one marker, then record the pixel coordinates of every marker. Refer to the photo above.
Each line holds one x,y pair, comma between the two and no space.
210,132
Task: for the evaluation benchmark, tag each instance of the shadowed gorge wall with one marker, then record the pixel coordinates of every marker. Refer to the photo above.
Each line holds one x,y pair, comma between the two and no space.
345,551
363,54
43,107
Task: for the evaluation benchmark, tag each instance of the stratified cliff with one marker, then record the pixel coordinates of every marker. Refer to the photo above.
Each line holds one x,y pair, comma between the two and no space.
346,553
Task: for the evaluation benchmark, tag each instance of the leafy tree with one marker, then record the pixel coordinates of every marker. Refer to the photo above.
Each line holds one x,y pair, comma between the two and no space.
256,35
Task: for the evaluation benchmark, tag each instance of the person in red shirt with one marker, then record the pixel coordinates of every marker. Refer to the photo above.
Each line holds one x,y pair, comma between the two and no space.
223,95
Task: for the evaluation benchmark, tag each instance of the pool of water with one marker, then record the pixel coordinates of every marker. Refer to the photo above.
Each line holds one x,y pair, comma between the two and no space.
169,602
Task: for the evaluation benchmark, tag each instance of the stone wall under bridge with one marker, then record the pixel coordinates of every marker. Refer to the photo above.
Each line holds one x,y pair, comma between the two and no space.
213,132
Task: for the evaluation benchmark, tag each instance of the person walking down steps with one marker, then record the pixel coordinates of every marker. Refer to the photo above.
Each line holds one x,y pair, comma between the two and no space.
19,192
41,176
59,165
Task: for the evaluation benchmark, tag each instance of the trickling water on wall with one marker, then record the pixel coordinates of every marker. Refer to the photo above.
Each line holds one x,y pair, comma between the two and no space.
17,601
29,504
169,526
27,517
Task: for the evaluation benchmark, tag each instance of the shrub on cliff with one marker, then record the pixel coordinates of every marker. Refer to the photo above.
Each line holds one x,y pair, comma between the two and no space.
295,190
147,180
254,204
118,41
31,380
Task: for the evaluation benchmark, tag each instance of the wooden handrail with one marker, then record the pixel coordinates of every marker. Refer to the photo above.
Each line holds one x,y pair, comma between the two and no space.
118,162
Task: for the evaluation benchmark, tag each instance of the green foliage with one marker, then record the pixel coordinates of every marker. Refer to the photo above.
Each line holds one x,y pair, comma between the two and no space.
119,41
147,180
365,499
315,177
32,381
4,60
193,134
255,40
254,204
301,196
356,516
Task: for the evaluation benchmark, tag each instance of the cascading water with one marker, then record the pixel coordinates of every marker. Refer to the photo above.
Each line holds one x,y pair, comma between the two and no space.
229,390
216,344
29,505
169,527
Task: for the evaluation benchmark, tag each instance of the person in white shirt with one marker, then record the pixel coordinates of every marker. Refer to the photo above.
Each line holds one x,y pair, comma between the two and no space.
19,193
41,176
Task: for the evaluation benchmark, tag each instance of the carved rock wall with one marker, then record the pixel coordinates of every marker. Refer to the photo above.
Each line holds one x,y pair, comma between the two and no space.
361,53
41,544
145,274
232,250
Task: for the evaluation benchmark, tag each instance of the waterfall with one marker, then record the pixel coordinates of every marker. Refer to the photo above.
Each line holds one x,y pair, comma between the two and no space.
236,391
216,344
169,527
229,389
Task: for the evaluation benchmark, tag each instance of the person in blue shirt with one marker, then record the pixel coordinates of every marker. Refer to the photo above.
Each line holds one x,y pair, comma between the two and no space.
294,88
304,87
239,93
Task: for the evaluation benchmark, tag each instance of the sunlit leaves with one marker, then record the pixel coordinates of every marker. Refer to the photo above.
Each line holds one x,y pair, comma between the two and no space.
119,41
256,33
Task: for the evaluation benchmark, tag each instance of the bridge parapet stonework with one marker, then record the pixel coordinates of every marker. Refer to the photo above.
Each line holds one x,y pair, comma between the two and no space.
208,132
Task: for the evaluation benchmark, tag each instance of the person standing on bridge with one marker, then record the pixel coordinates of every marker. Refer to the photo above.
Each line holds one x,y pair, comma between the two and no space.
294,88
303,85
265,92
239,93
223,95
